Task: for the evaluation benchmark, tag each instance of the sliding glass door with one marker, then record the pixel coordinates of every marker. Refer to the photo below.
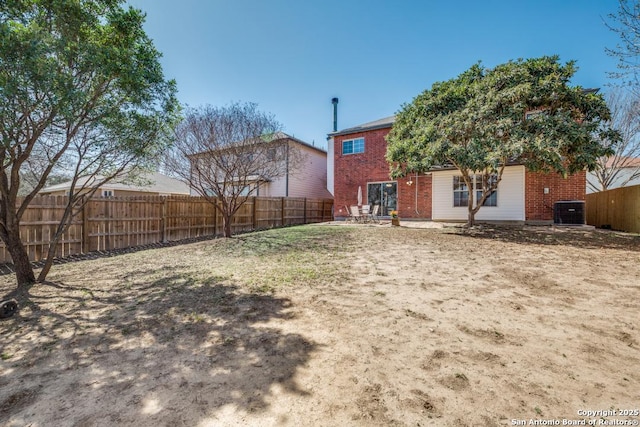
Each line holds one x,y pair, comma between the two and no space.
384,194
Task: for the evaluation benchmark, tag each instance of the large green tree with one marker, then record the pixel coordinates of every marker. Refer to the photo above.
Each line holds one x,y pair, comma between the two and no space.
523,111
82,93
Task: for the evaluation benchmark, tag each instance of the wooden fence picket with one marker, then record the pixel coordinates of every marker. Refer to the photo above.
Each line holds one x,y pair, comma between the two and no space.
122,222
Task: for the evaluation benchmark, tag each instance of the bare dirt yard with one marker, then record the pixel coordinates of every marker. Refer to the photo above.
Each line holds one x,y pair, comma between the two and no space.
334,326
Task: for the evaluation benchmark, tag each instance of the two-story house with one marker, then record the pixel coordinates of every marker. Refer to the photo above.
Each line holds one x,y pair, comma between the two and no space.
357,160
283,166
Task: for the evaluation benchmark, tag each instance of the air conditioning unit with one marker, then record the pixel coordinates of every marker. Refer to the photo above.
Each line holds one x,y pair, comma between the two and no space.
569,212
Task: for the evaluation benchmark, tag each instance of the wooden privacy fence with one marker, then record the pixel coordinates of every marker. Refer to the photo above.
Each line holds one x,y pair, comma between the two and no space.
618,209
104,224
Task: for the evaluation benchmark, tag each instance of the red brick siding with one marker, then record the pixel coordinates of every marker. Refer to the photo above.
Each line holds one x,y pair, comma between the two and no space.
407,197
353,170
539,206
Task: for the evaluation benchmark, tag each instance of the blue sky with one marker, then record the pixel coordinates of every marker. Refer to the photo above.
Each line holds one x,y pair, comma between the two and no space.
292,56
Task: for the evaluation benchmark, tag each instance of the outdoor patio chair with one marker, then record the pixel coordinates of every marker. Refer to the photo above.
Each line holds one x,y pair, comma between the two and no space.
375,213
355,213
365,213
349,217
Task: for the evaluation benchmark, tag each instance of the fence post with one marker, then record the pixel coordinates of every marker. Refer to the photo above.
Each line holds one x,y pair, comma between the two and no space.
163,219
189,215
215,219
305,211
254,212
282,215
85,226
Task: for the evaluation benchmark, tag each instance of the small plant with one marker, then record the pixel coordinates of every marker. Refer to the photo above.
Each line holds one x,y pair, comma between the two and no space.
461,376
6,356
196,317
264,288
538,410
394,214
86,293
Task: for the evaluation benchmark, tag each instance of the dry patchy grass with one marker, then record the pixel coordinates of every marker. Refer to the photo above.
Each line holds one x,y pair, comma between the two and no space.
322,325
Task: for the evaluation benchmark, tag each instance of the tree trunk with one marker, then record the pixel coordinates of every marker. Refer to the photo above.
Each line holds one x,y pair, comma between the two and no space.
471,220
226,219
53,244
20,258
49,261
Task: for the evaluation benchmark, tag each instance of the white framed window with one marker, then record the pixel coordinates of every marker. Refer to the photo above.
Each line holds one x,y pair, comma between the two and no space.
461,191
107,193
492,200
353,146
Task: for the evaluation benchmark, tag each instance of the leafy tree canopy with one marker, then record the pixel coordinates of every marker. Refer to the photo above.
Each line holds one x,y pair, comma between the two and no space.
81,93
523,111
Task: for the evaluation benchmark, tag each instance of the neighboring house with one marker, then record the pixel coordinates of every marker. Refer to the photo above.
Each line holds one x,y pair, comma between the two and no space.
626,168
306,177
152,184
357,159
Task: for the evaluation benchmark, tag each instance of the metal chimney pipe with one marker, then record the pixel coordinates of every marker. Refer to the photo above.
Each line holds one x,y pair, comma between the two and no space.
334,101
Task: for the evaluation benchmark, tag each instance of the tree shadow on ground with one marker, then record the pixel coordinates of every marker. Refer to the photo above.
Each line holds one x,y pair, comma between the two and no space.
553,236
9,268
171,351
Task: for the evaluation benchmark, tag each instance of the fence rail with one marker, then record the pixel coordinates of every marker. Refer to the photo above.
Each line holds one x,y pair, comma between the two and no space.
123,222
618,209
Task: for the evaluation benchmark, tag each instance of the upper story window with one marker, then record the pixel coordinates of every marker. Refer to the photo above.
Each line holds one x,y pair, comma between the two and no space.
353,146
107,193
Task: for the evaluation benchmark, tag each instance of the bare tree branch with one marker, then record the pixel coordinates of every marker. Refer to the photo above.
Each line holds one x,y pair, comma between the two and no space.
227,154
626,24
624,165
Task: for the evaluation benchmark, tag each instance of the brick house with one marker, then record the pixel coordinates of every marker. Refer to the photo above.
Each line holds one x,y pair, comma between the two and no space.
356,158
